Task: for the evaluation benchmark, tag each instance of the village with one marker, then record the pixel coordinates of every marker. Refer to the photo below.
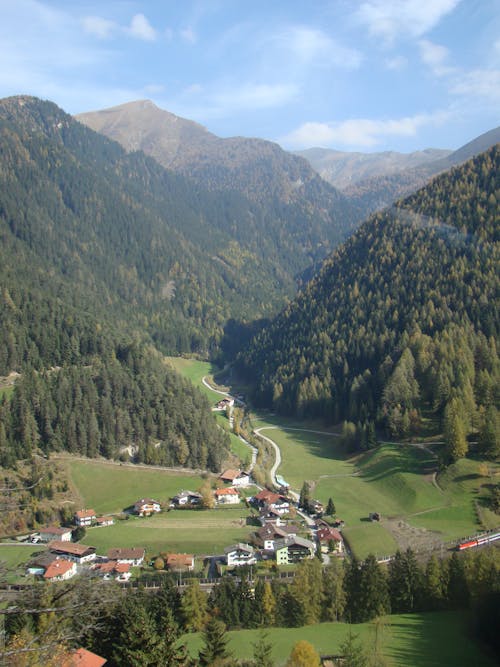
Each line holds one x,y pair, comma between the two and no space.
283,534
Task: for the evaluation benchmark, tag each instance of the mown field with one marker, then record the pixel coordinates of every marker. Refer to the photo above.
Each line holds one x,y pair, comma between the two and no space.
407,640
111,487
396,480
183,531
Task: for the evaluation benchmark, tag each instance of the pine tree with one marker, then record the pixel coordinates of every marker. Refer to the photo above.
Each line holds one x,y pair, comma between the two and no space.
215,643
352,652
455,435
330,508
194,607
262,651
334,597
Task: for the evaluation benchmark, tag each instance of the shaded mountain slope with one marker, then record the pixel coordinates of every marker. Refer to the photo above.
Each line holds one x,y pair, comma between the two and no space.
291,196
404,314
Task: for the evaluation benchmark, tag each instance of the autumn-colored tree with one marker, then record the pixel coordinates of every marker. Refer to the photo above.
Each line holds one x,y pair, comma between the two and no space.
303,655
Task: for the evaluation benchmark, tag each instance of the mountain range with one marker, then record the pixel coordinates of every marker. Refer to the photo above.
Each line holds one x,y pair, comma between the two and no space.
374,181
104,250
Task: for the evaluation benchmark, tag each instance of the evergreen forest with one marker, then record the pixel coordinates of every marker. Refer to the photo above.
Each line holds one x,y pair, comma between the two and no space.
401,322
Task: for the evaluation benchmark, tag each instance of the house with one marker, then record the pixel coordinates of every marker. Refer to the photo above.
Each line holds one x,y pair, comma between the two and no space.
104,521
180,562
85,517
146,507
83,658
225,403
270,516
270,500
60,570
240,554
266,536
227,496
235,477
316,506
112,568
327,536
187,498
292,550
55,533
80,553
134,556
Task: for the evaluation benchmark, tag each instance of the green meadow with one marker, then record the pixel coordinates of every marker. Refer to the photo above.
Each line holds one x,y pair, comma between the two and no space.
183,531
111,487
14,559
406,640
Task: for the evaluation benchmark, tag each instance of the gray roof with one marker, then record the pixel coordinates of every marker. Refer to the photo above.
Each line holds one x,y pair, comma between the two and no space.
239,547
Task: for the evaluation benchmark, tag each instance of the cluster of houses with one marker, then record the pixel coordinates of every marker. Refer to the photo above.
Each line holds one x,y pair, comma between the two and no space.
276,538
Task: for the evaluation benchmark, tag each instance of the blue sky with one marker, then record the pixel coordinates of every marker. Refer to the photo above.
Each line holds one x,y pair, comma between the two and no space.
364,75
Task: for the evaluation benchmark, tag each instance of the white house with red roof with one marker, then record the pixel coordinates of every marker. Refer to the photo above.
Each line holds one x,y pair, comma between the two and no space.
330,537
85,517
146,507
235,477
59,570
227,496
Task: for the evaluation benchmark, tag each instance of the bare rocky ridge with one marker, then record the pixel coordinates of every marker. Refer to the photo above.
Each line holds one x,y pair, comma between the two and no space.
344,169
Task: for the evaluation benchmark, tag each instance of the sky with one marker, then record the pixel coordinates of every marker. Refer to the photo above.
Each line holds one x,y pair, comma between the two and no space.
352,75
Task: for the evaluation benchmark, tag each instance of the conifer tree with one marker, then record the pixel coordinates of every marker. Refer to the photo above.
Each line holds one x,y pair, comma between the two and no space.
214,643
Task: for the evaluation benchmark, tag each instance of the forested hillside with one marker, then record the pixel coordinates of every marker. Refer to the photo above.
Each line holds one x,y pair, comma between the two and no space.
115,234
130,401
101,253
402,319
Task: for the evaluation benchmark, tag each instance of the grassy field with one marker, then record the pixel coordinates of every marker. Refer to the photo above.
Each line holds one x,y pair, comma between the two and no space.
14,558
110,488
416,640
184,531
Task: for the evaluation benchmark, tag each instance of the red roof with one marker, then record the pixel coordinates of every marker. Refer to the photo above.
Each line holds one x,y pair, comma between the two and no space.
85,514
83,658
327,534
229,475
267,496
180,560
71,548
113,566
226,492
58,567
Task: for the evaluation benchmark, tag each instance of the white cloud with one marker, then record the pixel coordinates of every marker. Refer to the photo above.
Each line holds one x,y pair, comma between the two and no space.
255,96
99,27
435,57
484,83
189,35
141,28
390,19
359,132
397,63
309,46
